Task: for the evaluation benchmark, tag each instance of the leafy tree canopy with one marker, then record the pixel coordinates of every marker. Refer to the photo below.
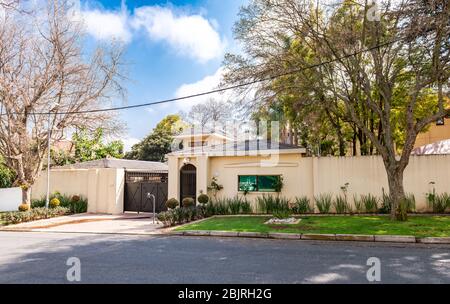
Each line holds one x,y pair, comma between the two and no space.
157,144
88,146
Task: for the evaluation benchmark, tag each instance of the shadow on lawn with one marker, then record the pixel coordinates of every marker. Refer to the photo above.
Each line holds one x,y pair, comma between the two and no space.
131,259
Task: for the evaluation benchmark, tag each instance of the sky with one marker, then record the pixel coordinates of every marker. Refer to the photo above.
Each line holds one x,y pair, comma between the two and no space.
173,48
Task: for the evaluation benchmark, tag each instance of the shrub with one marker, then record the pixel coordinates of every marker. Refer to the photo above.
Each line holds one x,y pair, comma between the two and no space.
302,205
38,203
172,203
64,200
370,203
246,208
341,205
79,206
278,184
221,206
24,207
238,205
182,215
269,204
54,203
386,203
357,202
401,213
210,209
323,202
188,202
282,214
165,218
33,215
410,202
203,199
439,202
234,206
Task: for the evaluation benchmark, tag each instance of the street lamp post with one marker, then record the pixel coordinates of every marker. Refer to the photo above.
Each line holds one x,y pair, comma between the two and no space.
49,136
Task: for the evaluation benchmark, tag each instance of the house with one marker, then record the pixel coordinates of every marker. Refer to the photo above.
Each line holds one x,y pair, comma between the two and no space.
436,140
250,166
194,138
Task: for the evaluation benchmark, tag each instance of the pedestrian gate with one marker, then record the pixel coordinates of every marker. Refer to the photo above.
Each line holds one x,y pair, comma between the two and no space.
140,185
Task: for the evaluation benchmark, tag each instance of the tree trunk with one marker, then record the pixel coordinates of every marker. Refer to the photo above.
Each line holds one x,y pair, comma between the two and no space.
26,195
396,190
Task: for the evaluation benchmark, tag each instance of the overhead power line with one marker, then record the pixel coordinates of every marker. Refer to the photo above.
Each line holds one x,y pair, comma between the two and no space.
220,90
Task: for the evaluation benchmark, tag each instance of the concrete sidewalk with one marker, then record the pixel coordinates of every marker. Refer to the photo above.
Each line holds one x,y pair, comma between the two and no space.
128,223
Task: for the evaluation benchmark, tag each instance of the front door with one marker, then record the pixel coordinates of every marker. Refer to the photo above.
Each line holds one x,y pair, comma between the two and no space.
188,182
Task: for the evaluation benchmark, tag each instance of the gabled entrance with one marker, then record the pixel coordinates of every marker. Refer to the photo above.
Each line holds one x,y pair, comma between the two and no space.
188,182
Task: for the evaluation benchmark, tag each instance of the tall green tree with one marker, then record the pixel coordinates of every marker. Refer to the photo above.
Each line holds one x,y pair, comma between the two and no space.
158,143
7,175
88,146
383,70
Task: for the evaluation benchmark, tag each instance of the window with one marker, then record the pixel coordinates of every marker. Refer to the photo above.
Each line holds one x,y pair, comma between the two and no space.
247,182
257,183
197,143
440,122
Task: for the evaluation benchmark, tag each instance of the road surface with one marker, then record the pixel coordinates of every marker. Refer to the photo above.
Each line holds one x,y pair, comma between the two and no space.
32,257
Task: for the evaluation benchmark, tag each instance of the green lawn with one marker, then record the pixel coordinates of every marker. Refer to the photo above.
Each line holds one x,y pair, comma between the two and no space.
421,226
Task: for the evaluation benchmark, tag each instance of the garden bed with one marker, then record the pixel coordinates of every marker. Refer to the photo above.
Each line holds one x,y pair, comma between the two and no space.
420,226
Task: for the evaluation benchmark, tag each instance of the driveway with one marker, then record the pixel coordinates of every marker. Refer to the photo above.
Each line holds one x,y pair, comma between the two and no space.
128,223
41,258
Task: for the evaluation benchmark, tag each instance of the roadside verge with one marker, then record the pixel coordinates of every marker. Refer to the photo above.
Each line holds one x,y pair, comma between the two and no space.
318,237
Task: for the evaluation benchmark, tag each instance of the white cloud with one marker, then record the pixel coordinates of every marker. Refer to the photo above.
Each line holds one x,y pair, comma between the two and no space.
104,25
189,35
129,142
210,82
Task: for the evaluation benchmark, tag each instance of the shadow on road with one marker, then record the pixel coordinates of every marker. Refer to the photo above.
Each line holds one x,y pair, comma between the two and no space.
41,258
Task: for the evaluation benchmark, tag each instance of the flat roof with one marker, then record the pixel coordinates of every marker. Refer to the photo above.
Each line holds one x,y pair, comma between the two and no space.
242,148
116,163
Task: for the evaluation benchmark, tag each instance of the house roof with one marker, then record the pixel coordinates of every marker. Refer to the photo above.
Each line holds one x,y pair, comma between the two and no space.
189,132
247,147
118,164
439,147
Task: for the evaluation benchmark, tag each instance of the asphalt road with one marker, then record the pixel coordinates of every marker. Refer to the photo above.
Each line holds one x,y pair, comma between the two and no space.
42,257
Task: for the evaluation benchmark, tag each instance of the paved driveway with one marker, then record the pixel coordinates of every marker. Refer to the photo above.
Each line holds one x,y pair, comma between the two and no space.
129,223
36,257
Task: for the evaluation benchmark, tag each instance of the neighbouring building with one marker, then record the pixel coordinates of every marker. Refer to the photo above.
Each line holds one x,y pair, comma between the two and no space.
436,140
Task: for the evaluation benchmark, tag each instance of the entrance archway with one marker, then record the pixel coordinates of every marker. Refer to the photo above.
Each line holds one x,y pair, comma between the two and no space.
188,182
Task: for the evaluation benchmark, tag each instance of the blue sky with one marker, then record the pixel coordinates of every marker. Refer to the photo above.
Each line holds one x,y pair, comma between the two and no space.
173,48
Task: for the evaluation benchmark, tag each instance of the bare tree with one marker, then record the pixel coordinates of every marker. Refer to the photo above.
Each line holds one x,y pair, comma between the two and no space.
211,114
43,70
358,65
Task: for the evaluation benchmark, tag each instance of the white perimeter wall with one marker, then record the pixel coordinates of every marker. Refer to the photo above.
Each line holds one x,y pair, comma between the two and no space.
10,199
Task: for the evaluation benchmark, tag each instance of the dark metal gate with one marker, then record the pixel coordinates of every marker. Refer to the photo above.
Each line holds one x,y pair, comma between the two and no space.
138,187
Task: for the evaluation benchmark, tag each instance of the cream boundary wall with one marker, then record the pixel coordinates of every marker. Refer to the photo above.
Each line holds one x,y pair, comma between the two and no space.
311,176
104,188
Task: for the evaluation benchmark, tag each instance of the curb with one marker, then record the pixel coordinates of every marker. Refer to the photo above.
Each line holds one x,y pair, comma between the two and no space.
317,237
